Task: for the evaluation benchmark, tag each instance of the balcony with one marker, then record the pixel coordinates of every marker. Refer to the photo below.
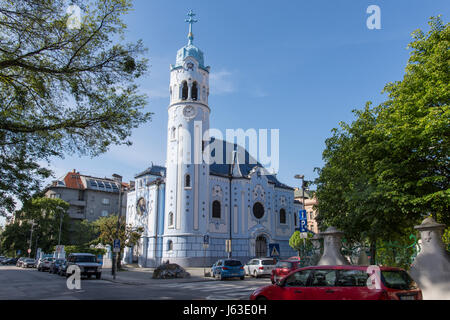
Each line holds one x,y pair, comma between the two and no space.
78,203
76,215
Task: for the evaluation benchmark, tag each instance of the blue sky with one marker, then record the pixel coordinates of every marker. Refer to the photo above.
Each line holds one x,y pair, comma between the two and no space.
296,66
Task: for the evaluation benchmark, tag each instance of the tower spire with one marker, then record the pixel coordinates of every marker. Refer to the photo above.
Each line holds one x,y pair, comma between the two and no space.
191,21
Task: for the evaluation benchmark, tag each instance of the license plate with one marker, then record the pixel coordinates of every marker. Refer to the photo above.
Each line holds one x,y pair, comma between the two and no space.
407,297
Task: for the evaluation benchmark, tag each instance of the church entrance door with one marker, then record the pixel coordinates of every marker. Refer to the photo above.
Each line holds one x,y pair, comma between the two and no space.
261,247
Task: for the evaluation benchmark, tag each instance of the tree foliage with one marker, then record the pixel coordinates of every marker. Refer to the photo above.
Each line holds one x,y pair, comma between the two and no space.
109,231
63,90
389,168
42,215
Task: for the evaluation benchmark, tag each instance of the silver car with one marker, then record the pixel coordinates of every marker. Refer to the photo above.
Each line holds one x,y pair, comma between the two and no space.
260,267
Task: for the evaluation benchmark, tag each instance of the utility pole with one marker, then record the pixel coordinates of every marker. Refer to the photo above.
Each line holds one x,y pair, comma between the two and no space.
60,224
230,177
31,238
114,255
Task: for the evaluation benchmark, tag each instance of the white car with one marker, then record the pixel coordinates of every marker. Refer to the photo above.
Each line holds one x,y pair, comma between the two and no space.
44,264
260,267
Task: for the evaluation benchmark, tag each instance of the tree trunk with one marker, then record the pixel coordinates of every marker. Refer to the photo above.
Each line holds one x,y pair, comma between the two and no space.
373,252
119,258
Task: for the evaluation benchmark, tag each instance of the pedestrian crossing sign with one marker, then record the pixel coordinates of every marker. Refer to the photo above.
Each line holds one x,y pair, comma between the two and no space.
274,249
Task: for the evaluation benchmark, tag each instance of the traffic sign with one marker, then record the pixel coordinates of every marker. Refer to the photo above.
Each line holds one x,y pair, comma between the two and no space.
116,245
274,249
302,215
303,221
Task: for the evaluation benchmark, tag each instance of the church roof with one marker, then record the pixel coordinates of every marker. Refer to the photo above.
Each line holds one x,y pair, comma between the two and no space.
244,168
153,170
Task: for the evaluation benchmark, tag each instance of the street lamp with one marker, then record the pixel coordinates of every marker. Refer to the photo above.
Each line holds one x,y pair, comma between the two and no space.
302,177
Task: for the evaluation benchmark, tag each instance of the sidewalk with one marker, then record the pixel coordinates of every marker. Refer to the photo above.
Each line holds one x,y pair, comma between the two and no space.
142,276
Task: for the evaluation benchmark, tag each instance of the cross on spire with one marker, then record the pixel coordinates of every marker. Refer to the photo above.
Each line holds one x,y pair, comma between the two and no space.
191,21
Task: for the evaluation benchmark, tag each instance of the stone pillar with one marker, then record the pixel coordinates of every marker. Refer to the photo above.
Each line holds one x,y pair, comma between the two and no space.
332,248
363,259
316,249
431,268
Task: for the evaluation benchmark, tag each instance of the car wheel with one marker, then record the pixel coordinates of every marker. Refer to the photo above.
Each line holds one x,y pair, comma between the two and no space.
98,276
243,278
221,278
255,274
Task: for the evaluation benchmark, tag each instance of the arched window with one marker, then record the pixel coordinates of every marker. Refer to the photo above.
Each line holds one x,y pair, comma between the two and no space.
170,220
282,216
169,245
194,91
184,91
187,181
258,210
173,131
216,209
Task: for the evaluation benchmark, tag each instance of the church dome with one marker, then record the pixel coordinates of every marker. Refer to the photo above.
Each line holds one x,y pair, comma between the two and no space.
190,50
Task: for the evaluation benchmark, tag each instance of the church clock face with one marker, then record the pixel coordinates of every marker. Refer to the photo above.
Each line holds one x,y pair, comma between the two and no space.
189,112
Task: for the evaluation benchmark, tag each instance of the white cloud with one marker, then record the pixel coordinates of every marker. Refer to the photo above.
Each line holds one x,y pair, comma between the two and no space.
221,82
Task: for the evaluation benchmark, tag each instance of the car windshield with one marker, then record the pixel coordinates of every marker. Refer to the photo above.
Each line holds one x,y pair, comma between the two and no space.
59,261
398,279
267,262
232,263
284,264
86,259
29,260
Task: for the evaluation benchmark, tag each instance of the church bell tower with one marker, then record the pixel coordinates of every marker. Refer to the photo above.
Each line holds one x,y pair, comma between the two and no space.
187,176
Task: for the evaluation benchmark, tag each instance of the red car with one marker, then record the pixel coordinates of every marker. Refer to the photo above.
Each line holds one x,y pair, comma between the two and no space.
342,283
283,268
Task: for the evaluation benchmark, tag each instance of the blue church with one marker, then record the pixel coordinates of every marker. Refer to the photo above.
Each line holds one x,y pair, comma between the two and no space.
187,199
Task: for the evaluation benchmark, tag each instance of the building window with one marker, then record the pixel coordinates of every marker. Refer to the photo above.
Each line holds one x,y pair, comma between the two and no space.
169,245
187,181
184,91
258,210
173,133
194,91
282,216
105,201
216,209
170,220
104,213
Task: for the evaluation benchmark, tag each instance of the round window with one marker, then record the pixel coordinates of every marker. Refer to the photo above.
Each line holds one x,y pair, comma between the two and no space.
258,210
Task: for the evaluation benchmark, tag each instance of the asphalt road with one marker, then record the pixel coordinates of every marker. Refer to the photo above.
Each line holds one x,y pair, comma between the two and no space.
30,284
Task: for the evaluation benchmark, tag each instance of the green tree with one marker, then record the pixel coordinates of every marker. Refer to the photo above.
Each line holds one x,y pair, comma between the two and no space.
128,235
45,216
63,90
84,233
389,168
302,245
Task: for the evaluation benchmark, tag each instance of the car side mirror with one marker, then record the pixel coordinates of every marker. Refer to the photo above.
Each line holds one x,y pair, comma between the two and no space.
280,283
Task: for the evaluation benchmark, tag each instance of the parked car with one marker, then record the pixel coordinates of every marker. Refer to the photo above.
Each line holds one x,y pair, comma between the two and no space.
340,283
62,268
260,267
44,264
28,263
87,263
54,265
19,262
283,268
228,268
9,261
